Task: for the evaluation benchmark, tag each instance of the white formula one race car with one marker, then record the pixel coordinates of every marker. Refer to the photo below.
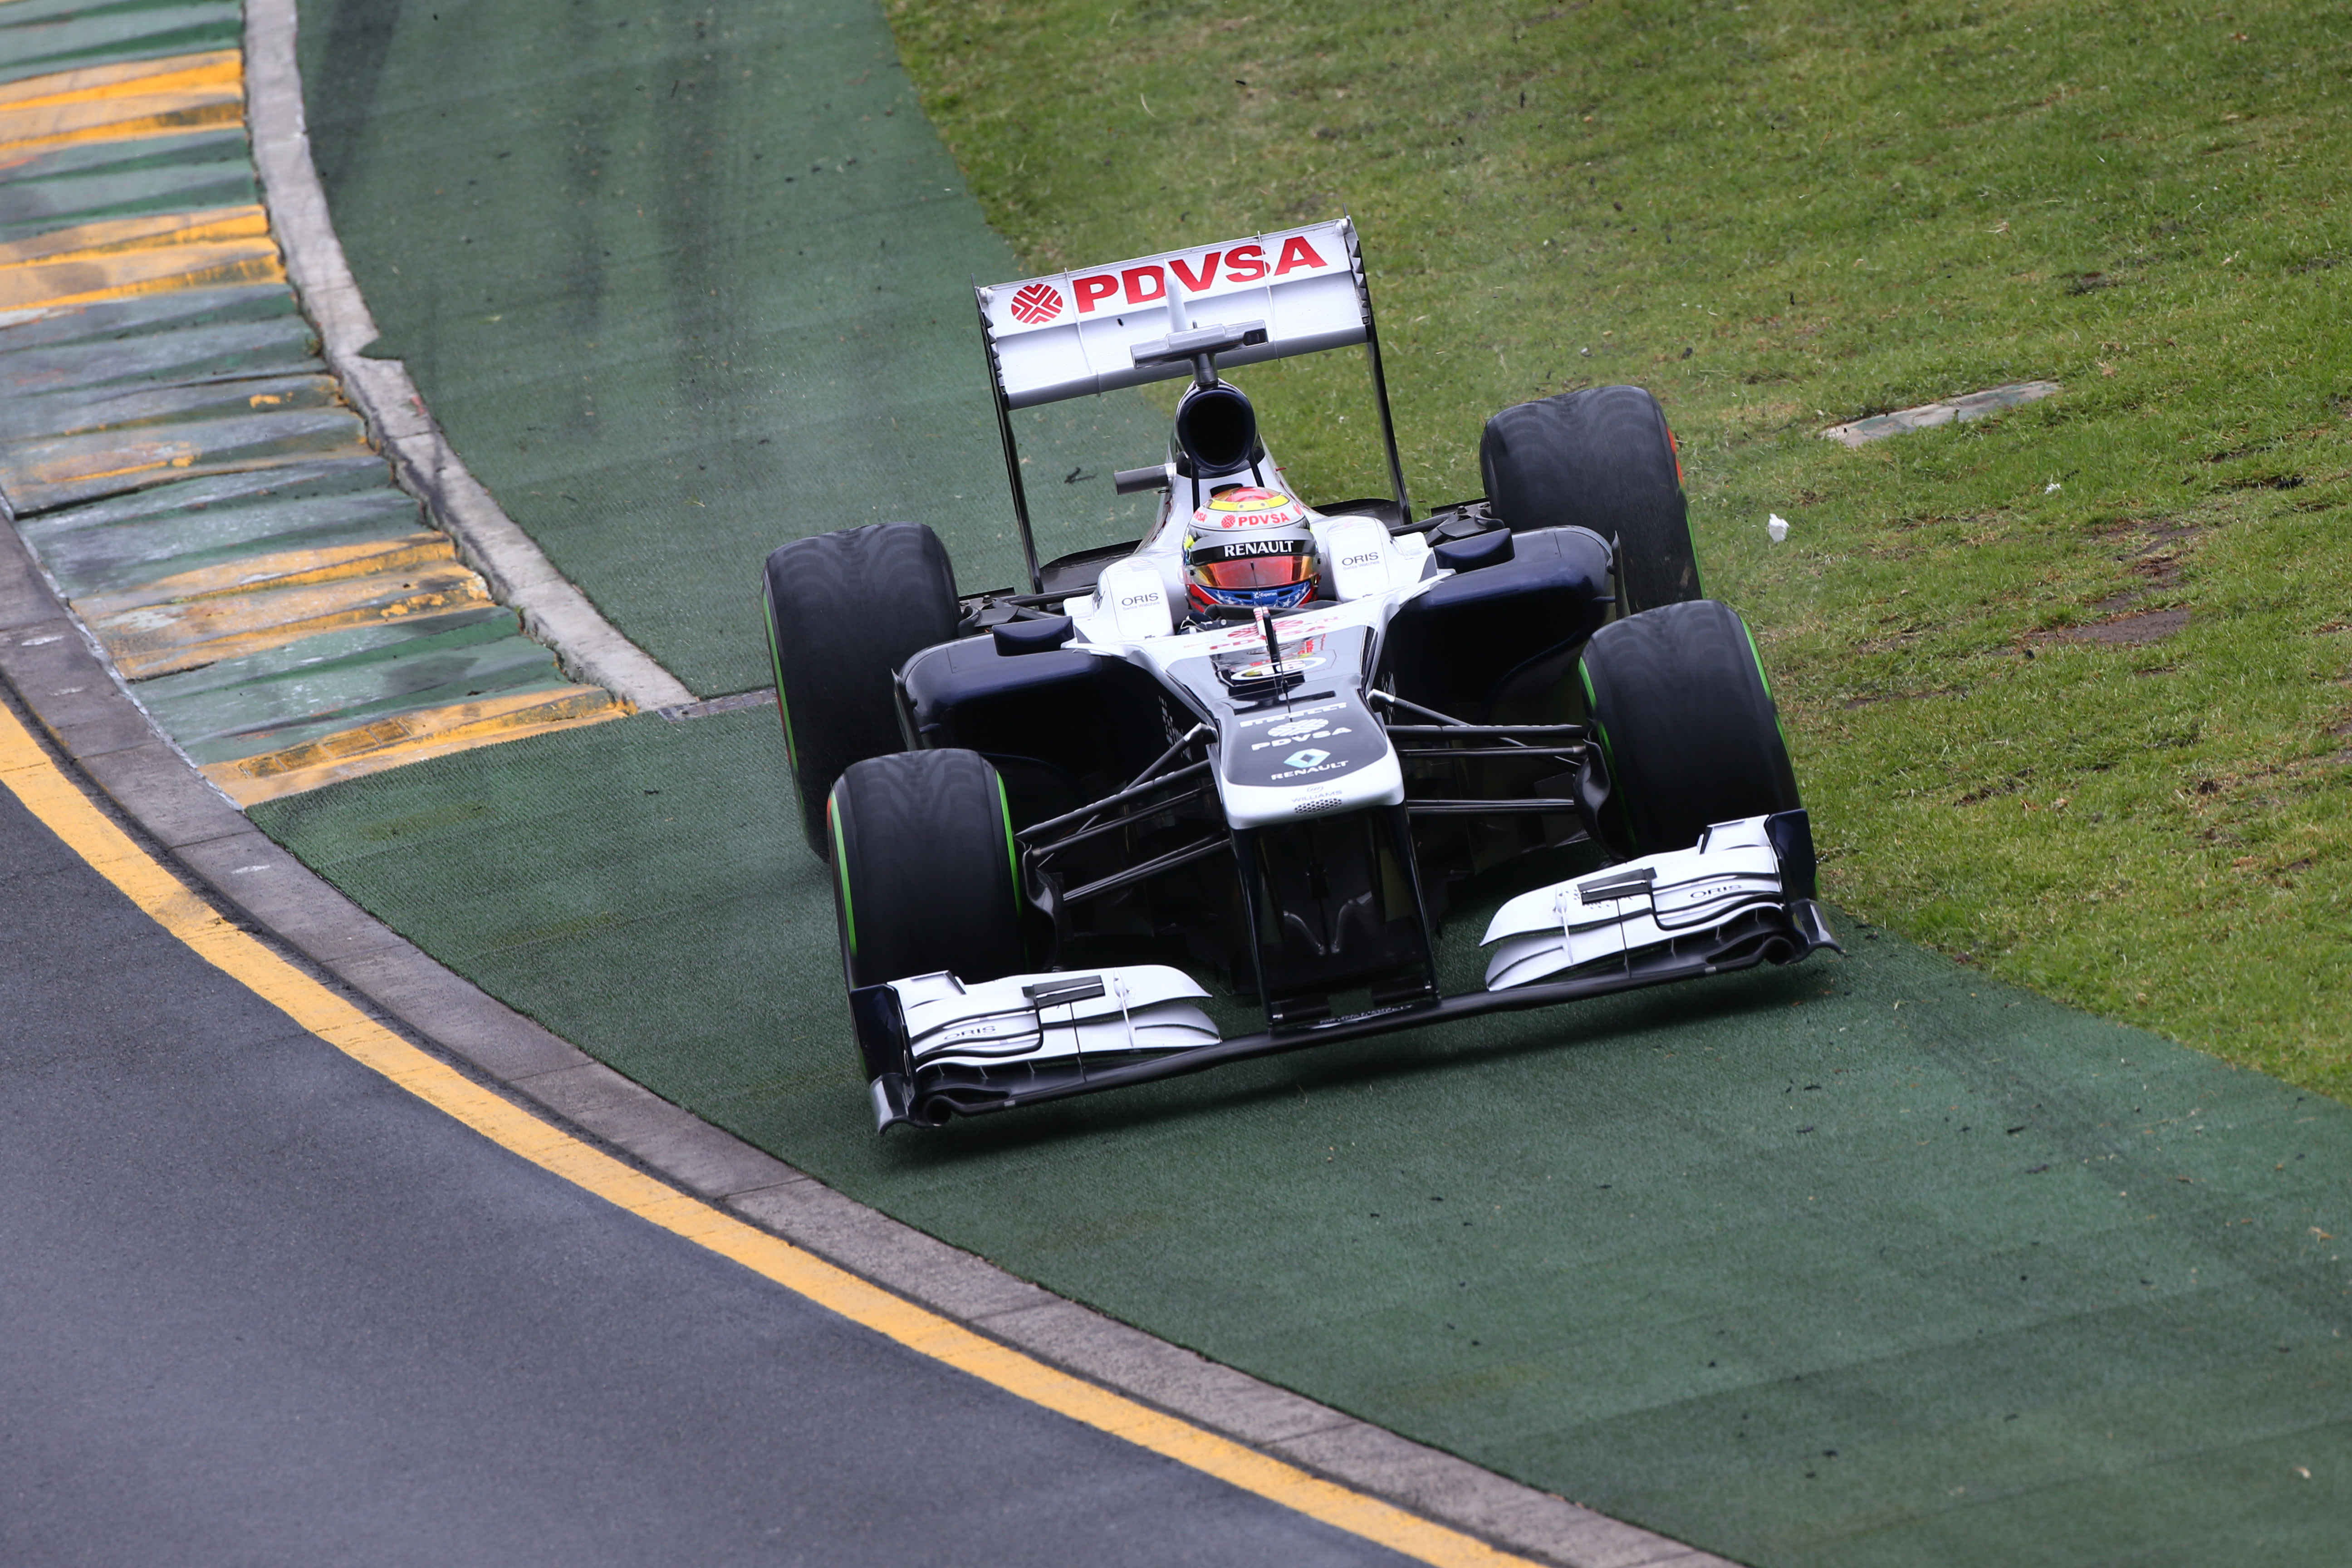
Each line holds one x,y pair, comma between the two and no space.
1272,742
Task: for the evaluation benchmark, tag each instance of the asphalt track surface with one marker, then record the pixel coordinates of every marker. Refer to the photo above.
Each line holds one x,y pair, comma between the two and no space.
263,1307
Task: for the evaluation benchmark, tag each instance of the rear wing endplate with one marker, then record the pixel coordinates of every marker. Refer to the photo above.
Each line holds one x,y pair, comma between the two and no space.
1075,333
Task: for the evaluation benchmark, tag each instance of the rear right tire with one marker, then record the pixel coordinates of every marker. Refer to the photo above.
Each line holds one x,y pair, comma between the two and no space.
1600,458
1686,726
845,611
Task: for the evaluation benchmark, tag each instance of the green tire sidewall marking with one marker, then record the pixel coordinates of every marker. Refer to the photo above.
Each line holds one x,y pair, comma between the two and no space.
1608,753
1779,728
1012,861
841,866
776,665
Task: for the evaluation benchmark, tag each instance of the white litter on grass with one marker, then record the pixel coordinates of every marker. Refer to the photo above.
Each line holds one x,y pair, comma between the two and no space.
2053,488
1778,527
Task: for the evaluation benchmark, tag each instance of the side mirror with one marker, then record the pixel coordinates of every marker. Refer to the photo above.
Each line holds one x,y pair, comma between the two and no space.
1491,548
1042,635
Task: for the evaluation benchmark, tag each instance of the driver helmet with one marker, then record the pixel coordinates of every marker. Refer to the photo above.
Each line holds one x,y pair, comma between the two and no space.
1249,548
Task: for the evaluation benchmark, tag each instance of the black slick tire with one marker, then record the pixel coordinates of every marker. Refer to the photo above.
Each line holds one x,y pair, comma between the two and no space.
923,879
1600,458
1686,726
844,610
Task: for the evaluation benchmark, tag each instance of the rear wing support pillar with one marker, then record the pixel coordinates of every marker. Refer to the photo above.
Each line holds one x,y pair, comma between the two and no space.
1013,448
1380,379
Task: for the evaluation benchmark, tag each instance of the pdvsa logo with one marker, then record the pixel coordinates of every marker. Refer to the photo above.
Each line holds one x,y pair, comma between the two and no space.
1147,280
1036,302
1249,508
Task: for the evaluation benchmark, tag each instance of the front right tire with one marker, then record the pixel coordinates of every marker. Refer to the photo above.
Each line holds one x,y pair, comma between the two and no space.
1600,458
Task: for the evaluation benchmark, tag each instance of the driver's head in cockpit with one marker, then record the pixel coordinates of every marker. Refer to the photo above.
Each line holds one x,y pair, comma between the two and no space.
1252,550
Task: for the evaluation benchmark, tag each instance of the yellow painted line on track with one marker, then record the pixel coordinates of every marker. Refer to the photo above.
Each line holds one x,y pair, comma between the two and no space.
278,569
157,639
110,260
412,737
42,473
122,103
105,237
58,803
212,68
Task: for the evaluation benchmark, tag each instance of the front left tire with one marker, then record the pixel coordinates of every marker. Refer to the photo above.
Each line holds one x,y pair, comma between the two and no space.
923,870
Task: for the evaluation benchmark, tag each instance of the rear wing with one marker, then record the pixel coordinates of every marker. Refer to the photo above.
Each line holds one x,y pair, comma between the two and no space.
1075,333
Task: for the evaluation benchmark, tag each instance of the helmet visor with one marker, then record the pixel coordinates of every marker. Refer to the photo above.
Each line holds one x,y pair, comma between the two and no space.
1280,570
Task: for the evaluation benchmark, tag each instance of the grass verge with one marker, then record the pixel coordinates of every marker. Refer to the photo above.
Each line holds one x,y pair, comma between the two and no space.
2068,687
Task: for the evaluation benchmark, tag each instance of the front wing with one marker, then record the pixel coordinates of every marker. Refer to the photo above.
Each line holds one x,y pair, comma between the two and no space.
934,1046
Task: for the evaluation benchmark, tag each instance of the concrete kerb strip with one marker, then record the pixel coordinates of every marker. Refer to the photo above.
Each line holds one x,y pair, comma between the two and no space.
1958,408
74,696
71,693
553,611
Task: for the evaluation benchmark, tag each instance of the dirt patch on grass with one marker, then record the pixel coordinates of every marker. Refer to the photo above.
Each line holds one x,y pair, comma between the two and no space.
2153,552
2149,539
2122,631
2000,791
